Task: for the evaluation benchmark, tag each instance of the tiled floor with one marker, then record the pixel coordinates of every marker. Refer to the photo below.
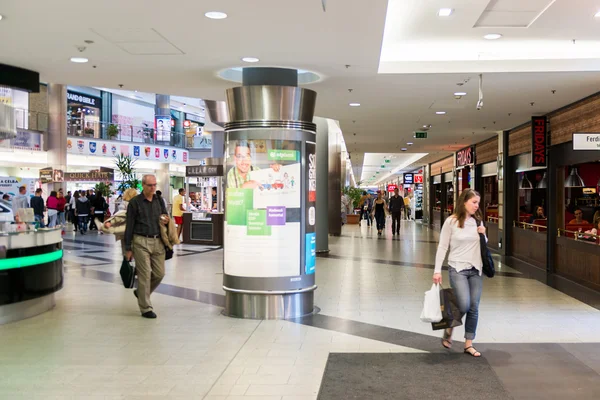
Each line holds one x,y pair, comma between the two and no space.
94,344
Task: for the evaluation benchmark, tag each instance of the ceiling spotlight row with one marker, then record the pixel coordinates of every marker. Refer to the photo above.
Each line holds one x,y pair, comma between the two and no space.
222,15
446,12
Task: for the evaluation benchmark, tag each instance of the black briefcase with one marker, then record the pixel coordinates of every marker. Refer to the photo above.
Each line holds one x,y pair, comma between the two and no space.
127,274
451,316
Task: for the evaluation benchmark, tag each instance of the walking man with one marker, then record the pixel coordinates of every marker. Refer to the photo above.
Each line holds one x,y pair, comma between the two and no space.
37,203
396,207
143,242
178,210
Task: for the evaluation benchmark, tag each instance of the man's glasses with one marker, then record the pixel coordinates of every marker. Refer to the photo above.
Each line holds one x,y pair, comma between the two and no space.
243,157
150,184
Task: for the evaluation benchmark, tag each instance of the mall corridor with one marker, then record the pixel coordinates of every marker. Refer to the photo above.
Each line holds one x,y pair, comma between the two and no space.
537,342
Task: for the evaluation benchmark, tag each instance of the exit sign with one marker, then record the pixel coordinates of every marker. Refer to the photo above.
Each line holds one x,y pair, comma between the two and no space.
421,135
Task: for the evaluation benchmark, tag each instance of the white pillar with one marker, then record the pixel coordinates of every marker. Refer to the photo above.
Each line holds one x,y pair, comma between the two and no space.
57,129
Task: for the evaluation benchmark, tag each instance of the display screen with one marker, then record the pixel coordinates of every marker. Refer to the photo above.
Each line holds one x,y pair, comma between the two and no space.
263,208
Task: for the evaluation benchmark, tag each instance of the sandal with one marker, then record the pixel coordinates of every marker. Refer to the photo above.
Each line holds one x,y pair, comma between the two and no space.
472,351
446,339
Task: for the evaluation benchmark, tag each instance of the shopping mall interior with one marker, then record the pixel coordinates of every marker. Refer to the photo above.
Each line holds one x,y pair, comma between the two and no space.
383,199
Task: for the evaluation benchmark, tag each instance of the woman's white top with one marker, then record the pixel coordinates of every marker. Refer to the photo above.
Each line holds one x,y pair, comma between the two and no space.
463,244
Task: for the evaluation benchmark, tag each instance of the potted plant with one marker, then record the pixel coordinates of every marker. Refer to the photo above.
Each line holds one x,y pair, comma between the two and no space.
104,188
355,194
112,131
88,131
125,165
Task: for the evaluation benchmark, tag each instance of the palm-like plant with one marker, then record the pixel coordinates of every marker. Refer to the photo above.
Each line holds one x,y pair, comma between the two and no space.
125,164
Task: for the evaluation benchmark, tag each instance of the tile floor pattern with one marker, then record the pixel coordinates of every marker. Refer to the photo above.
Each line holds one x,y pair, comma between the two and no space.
94,344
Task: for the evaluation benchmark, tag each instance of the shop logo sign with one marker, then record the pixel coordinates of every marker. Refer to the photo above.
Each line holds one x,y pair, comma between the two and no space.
538,141
166,153
185,155
174,155
147,151
81,99
136,151
69,144
408,179
113,150
92,147
465,157
104,148
80,145
156,152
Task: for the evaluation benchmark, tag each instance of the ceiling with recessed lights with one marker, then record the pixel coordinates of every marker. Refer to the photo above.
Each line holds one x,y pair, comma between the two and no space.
400,61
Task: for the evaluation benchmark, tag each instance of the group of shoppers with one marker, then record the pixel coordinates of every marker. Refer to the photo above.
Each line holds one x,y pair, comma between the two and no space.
87,207
379,209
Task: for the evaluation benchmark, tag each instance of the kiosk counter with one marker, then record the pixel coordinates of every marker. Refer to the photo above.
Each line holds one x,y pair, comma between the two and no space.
31,271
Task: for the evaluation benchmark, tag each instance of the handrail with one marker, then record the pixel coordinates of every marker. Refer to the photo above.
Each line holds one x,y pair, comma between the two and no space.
494,219
577,235
31,120
525,225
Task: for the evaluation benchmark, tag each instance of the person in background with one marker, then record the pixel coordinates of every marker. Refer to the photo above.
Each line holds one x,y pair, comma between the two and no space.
73,209
37,203
344,208
460,236
538,213
406,207
82,209
178,210
52,206
91,196
159,194
99,205
6,197
214,198
578,218
412,206
366,207
596,228
20,200
143,240
116,224
397,204
379,211
60,207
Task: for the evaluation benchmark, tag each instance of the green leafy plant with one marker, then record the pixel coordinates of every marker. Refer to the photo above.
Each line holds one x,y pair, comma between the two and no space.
88,131
112,131
125,165
354,193
104,188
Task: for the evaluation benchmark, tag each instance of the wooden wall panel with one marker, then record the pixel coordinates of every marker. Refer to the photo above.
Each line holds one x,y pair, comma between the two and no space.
530,246
446,165
487,151
578,261
581,117
519,141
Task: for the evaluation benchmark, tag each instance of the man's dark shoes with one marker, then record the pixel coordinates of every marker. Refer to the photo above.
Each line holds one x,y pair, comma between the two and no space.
149,314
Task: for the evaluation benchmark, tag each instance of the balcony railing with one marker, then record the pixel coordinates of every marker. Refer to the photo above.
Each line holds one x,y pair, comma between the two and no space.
134,134
31,120
579,235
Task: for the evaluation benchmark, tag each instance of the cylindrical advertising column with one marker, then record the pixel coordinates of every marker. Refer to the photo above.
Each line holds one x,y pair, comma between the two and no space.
270,202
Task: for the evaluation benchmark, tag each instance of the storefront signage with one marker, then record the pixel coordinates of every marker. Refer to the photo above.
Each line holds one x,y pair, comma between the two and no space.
195,118
10,185
538,141
103,175
83,99
586,141
465,156
105,148
203,170
24,140
391,188
420,135
408,179
46,175
418,178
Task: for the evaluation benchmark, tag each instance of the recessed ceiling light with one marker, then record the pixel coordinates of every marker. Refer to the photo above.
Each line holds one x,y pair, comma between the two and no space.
354,104
404,149
1,17
492,36
250,59
460,93
445,12
79,59
597,15
215,15
440,112
410,143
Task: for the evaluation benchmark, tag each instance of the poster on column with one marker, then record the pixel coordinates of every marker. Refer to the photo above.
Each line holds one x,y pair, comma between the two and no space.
310,260
263,208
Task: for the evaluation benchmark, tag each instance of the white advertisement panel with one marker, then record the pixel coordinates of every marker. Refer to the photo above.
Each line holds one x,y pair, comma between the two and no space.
10,185
105,148
135,116
263,208
586,141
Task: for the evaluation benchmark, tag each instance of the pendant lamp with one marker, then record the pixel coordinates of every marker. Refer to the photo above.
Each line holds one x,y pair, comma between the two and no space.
525,183
543,183
574,180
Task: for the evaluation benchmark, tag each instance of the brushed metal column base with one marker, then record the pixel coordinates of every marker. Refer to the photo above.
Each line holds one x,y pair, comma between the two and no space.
248,305
26,309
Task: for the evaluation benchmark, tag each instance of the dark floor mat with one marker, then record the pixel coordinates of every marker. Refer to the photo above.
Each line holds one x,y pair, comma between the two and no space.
376,376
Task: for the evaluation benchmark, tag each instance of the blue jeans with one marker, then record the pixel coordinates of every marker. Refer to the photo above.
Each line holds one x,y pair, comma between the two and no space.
83,219
61,218
40,219
467,285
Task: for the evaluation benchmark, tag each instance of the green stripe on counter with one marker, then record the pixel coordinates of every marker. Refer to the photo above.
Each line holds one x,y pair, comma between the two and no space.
28,261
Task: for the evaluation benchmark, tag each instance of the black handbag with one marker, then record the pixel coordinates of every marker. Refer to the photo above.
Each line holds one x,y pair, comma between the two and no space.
451,315
168,253
127,272
486,257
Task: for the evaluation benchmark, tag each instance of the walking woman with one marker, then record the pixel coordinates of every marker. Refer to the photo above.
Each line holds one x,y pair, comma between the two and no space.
379,210
460,236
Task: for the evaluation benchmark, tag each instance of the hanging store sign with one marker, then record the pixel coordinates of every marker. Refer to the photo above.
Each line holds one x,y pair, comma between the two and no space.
195,118
203,170
46,175
418,178
538,141
465,156
586,141
83,99
105,148
408,179
101,175
391,188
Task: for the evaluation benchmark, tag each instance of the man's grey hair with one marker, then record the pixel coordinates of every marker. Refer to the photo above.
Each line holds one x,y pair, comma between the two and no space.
145,178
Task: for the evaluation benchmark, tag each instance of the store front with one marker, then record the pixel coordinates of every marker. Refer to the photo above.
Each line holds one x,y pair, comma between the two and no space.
465,170
486,183
442,191
84,114
195,136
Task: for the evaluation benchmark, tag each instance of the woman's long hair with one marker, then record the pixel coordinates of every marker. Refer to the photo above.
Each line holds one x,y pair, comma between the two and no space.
460,213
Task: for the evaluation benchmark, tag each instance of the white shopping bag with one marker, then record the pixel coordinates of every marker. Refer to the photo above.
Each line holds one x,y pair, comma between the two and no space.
432,311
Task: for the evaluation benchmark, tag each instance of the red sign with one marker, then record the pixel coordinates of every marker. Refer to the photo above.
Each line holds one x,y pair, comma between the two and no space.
538,141
418,178
186,124
465,156
391,188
